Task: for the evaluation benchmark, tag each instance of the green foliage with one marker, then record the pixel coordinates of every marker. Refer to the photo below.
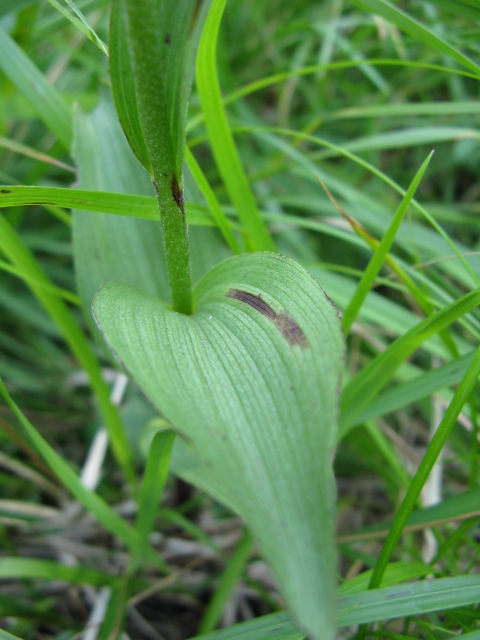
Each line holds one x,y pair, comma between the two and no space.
240,358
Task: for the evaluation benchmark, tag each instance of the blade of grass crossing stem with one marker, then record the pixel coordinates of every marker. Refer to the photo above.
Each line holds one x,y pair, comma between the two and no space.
406,23
227,583
154,479
90,500
220,135
211,200
120,204
12,246
33,85
366,385
436,445
380,254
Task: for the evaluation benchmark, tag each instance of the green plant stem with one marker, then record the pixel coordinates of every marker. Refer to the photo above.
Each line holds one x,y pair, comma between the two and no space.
436,445
166,166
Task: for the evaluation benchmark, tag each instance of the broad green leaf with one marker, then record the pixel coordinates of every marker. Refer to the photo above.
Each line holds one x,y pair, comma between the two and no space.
112,252
415,29
251,378
32,84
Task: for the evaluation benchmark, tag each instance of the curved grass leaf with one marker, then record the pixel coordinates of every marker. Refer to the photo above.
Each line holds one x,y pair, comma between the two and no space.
120,204
33,85
366,385
251,378
433,451
220,135
16,568
406,23
369,606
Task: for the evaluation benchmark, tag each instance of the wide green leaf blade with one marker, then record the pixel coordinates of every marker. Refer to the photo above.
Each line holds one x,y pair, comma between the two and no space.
252,379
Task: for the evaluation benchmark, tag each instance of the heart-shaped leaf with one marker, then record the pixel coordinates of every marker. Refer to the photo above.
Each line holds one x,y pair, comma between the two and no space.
252,379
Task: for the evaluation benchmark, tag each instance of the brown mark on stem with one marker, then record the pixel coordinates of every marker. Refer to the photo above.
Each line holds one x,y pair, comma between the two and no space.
177,194
168,38
282,320
5,191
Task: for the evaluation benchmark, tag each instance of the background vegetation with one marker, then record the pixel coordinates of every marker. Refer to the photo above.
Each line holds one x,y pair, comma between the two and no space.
335,106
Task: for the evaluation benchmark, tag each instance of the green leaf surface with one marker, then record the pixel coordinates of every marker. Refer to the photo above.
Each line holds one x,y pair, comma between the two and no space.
251,379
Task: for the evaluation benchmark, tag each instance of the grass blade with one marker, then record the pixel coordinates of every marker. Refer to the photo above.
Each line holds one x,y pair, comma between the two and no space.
32,84
220,136
20,256
415,29
437,443
380,254
358,394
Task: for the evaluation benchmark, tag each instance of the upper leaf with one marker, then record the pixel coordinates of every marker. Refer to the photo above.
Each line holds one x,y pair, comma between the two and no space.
153,46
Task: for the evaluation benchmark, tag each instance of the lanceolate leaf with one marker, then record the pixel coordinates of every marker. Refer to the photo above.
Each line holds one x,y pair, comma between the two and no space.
252,380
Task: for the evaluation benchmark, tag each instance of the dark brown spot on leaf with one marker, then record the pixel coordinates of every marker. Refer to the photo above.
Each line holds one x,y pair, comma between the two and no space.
168,39
283,321
5,191
177,194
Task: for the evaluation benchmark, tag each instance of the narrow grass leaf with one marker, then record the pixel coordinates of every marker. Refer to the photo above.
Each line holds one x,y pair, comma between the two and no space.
154,479
220,136
210,198
422,386
91,501
32,84
80,22
406,23
33,568
366,385
227,583
380,254
368,606
128,205
436,445
13,247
